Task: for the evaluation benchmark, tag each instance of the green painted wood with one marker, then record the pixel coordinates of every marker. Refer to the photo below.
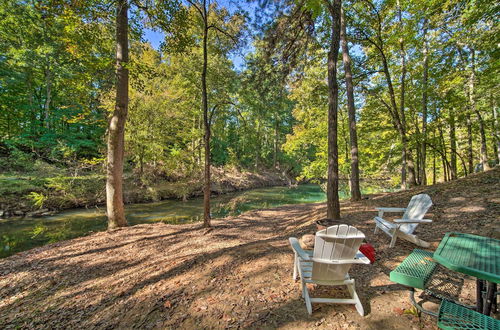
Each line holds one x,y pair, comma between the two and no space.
452,316
470,254
416,270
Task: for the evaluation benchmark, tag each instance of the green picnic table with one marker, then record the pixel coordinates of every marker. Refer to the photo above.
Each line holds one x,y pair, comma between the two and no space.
476,256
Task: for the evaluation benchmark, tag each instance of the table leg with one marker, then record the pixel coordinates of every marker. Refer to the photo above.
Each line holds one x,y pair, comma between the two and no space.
490,293
494,302
479,295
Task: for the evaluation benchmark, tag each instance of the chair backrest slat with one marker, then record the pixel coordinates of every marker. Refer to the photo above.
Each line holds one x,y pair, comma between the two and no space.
416,209
335,243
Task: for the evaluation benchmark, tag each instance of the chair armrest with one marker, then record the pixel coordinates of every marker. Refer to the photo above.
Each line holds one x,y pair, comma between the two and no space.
391,209
413,221
304,255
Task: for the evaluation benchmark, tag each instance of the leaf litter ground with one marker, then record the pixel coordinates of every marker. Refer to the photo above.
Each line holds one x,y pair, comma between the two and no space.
236,275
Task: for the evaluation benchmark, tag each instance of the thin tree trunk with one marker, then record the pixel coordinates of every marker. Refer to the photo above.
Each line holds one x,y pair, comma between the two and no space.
333,204
48,96
443,153
453,146
423,150
276,143
470,155
355,190
434,167
116,130
472,100
496,129
204,97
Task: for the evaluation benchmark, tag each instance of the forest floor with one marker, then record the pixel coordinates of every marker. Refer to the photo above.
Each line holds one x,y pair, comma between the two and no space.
236,275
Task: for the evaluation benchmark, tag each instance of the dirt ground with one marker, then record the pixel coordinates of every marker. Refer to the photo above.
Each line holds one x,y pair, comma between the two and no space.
237,275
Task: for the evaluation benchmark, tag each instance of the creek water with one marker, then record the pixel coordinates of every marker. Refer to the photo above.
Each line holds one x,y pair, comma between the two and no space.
20,234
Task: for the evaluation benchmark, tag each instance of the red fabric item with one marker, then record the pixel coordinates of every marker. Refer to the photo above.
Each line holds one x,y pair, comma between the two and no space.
368,251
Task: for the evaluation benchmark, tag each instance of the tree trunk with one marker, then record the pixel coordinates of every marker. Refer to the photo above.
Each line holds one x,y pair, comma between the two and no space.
496,130
333,208
276,143
453,146
204,99
434,167
116,129
470,155
423,150
355,190
407,159
393,109
48,96
472,101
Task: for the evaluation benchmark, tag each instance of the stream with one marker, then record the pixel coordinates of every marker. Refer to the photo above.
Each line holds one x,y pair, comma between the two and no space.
20,234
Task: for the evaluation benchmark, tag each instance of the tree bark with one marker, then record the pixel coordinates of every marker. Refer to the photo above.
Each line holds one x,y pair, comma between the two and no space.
116,129
276,143
48,96
453,146
470,155
472,101
333,208
496,130
206,123
423,150
355,190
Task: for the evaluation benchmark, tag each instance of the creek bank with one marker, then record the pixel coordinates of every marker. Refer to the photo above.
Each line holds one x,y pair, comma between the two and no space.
38,197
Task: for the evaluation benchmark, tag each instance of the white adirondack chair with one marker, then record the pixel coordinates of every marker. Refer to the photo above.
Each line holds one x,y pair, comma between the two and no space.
335,250
412,217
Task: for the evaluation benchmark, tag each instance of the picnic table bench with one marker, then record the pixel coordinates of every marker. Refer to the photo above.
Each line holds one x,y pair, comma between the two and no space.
415,272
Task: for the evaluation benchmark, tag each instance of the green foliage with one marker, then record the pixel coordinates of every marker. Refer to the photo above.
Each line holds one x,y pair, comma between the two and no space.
38,199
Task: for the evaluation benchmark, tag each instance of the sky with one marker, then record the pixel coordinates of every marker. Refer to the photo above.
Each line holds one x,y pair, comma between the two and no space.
155,38
238,57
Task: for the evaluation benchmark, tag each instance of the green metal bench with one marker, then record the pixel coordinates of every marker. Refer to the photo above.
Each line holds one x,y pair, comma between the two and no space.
453,316
416,270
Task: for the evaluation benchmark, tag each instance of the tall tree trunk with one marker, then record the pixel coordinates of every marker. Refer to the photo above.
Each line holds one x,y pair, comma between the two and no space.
453,146
116,129
472,102
394,111
276,143
48,96
333,204
496,129
355,190
434,167
423,150
204,99
407,158
443,153
470,155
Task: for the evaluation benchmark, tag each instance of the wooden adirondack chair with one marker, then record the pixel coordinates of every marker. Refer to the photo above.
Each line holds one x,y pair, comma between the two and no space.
412,217
335,250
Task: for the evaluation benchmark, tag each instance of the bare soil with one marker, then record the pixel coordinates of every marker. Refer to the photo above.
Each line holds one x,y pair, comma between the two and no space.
236,275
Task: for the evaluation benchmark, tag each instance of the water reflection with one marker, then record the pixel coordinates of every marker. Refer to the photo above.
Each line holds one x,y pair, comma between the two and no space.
22,234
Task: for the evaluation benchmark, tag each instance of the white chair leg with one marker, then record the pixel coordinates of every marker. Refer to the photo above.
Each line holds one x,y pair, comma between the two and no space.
394,238
295,266
307,298
376,229
354,295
